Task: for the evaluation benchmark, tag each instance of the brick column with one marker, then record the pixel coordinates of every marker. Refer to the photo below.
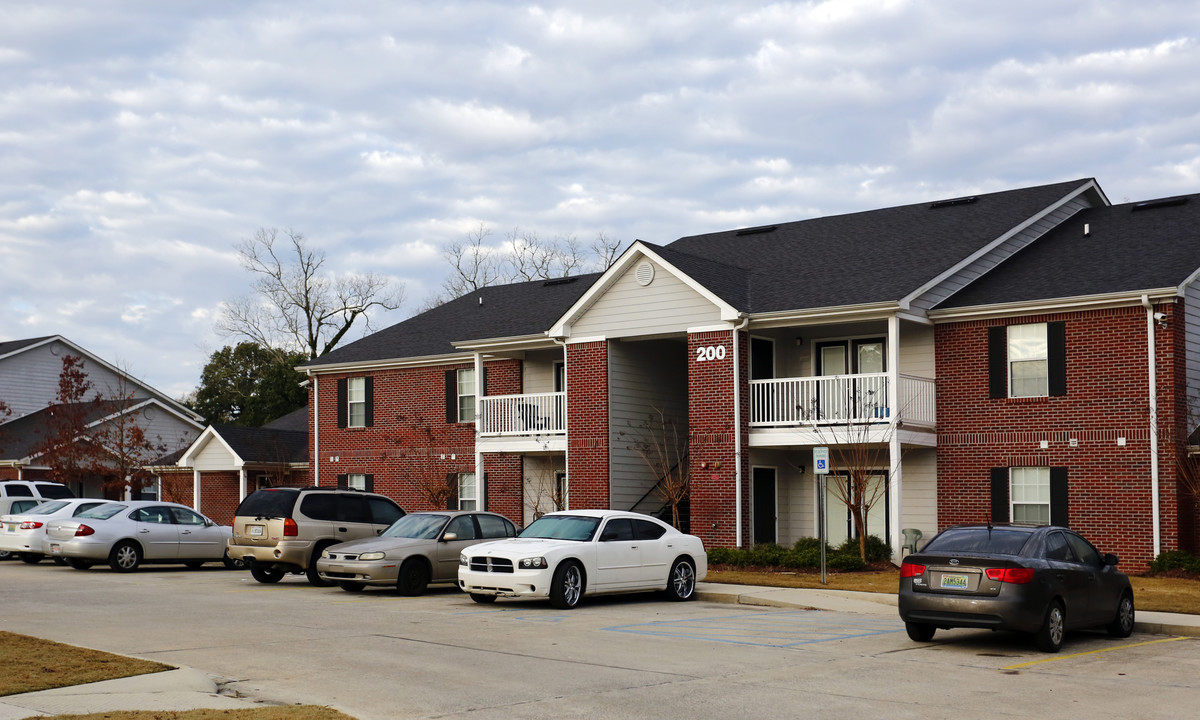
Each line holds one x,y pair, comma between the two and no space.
587,425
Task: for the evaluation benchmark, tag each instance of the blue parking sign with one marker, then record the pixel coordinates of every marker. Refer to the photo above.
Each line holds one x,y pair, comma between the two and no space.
821,460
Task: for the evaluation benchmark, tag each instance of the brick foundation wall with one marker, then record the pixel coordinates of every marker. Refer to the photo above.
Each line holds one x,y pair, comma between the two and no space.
1109,485
218,496
505,493
711,439
587,425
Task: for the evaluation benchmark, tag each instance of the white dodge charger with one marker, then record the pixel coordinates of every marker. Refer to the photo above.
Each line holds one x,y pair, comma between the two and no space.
566,555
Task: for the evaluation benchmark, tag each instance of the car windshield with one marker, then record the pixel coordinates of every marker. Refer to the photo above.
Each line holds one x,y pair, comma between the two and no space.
102,512
268,503
562,527
46,508
978,540
422,527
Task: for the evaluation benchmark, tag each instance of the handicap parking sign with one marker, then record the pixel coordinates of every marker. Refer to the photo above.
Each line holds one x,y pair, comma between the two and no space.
821,460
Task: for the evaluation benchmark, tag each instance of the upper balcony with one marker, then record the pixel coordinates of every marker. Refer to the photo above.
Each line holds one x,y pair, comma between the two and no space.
840,400
523,415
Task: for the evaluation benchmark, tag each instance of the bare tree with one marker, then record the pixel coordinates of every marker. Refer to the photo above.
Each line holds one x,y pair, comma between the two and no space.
657,440
546,490
605,250
298,306
475,265
418,442
1185,451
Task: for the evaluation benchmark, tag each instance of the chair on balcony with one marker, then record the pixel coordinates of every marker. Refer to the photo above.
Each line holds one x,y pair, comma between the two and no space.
911,537
531,419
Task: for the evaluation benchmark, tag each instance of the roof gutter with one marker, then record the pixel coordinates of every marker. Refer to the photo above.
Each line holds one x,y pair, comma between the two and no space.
1067,304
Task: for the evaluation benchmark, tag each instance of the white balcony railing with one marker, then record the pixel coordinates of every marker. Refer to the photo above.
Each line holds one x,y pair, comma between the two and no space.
839,398
528,414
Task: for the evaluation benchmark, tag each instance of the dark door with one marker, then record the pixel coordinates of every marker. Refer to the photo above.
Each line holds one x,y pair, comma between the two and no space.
764,505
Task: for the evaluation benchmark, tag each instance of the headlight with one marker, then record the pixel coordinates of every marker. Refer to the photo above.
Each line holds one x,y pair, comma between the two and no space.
371,556
462,560
325,554
533,563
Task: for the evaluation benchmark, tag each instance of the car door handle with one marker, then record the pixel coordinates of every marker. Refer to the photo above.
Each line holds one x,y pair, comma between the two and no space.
143,530
341,529
185,532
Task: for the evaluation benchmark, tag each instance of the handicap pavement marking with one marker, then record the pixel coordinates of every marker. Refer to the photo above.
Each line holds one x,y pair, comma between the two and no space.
771,629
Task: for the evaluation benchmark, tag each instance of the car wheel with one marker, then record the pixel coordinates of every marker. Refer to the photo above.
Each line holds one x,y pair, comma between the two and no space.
30,558
919,632
125,557
1050,637
232,563
194,564
681,583
60,561
350,586
414,577
79,564
1122,625
483,599
314,577
5,555
567,586
266,575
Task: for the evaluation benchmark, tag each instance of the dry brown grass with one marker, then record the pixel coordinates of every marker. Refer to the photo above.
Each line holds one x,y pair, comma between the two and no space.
264,712
1155,594
32,664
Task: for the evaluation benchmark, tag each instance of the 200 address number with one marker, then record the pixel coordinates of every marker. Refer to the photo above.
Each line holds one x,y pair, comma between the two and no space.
710,352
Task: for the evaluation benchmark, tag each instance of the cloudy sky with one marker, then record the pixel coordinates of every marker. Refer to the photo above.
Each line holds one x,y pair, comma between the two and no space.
139,141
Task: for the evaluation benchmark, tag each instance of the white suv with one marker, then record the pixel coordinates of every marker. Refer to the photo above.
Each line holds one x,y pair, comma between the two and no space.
17,496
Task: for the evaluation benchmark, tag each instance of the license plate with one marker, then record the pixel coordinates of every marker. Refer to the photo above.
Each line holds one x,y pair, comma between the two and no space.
56,549
954,582
11,528
256,530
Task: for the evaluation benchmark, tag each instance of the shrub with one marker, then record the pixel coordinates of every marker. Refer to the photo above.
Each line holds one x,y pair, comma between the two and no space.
1175,560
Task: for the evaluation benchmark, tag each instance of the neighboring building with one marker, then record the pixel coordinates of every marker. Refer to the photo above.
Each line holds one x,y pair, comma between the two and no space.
29,377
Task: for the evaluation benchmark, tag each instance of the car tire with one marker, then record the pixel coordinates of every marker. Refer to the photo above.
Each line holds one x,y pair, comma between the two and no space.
413,579
194,564
314,577
1122,624
79,564
566,589
60,561
681,582
483,599
1050,637
125,557
265,576
30,558
919,632
351,586
5,555
233,564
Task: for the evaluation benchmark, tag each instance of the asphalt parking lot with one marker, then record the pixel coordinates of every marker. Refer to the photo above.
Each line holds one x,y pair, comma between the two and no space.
379,655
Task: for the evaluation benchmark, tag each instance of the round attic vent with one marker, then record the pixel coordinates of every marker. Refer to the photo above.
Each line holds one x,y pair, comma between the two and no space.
644,274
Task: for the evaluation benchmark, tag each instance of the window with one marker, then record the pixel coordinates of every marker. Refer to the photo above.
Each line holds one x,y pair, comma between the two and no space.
467,492
463,527
356,481
1027,361
466,396
1029,490
493,526
356,398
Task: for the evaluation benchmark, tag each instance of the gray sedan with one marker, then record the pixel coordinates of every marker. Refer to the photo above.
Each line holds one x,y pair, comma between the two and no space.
414,551
1042,580
125,534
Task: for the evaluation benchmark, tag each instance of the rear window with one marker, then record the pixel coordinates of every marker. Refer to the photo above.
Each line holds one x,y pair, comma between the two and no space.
102,512
54,490
18,491
978,540
268,504
48,507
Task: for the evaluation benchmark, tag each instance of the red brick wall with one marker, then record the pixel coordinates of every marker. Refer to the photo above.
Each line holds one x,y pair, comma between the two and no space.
410,442
9,473
505,493
1109,486
587,425
712,439
177,486
218,496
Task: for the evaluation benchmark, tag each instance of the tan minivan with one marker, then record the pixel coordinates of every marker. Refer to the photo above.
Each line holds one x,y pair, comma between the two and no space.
283,530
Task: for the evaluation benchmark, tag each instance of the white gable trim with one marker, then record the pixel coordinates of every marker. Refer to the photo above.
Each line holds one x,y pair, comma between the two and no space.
209,435
635,252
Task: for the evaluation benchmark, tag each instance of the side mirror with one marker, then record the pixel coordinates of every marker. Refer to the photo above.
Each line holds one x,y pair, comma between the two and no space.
1111,559
449,537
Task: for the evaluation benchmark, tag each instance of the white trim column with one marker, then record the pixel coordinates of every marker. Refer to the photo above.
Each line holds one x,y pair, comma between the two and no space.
480,481
241,483
895,455
196,490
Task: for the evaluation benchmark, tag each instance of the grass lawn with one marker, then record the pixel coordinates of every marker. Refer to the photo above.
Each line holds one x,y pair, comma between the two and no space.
1157,594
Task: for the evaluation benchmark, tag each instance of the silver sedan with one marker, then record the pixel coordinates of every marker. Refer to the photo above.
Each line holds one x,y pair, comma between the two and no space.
414,551
24,534
125,534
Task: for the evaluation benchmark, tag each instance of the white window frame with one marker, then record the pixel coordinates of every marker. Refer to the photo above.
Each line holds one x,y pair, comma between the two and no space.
465,380
356,481
1028,349
1029,490
468,500
356,402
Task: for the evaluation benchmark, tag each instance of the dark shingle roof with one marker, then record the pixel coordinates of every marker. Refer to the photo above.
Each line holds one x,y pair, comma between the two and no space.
265,445
296,421
20,438
492,312
14,345
866,257
1128,248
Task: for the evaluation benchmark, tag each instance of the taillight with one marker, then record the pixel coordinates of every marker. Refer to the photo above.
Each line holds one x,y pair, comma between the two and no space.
84,530
911,570
30,525
1015,576
289,528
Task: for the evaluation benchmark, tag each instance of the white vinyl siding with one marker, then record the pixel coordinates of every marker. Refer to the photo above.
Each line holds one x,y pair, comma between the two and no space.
537,370
918,492
628,309
1191,316
917,350
214,456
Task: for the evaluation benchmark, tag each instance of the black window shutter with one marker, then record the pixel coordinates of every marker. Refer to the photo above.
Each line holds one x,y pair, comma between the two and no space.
452,496
483,386
369,485
482,493
1000,494
341,402
451,396
1058,497
342,482
1056,357
369,392
997,362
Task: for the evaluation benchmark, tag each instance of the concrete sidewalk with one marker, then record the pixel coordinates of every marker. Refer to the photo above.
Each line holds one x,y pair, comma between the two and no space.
188,688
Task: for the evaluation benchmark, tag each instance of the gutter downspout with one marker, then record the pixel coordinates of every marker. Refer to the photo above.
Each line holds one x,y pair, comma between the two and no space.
737,431
316,430
1152,375
481,489
566,428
